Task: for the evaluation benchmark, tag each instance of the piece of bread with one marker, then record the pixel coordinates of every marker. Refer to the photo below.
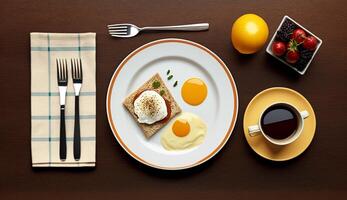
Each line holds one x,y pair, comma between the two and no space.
151,129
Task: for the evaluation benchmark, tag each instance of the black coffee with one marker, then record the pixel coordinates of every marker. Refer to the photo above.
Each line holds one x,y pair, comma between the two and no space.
279,122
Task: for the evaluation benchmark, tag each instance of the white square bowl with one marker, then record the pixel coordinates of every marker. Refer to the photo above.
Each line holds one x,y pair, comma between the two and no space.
269,49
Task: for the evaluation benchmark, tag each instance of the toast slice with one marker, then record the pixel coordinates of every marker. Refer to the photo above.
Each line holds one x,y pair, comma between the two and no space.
151,129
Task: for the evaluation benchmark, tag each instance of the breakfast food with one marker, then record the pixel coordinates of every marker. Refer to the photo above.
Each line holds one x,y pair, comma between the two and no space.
279,48
186,131
194,91
310,43
152,105
300,45
292,55
249,33
298,35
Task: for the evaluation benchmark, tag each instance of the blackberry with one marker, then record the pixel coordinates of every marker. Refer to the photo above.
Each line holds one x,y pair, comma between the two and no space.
282,36
288,26
306,54
301,64
301,48
305,57
285,31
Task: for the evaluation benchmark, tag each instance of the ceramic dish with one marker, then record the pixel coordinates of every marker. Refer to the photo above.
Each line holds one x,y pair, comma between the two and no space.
269,50
262,146
185,59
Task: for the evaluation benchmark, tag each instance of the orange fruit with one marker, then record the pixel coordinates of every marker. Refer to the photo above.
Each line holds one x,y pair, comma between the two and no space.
249,33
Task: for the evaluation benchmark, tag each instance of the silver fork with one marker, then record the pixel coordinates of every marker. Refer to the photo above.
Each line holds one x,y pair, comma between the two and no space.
77,77
131,30
62,77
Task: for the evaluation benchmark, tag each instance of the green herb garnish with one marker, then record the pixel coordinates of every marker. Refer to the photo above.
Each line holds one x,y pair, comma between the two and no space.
175,84
170,77
162,92
156,84
168,72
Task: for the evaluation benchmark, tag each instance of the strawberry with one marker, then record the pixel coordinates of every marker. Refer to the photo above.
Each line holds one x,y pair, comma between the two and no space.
293,54
310,43
299,35
278,48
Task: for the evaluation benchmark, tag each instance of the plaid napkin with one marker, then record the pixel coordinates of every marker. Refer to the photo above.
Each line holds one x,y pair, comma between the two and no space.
45,107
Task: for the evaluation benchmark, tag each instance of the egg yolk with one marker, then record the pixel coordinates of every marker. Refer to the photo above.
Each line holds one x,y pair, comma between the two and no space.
181,128
194,91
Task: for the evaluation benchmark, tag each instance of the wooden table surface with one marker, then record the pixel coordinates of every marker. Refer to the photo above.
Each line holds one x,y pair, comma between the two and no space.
234,173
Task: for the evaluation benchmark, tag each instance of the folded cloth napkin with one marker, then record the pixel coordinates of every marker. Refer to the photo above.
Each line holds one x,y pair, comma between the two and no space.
45,107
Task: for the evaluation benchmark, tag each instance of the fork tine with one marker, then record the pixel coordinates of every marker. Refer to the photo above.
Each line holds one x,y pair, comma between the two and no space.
117,27
124,33
72,70
75,68
117,35
60,70
81,71
118,30
65,70
56,60
78,69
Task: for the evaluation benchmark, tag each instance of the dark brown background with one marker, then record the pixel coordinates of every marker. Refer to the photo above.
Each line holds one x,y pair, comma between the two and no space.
236,172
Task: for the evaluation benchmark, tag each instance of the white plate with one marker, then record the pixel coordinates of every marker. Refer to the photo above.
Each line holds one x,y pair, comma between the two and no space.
185,59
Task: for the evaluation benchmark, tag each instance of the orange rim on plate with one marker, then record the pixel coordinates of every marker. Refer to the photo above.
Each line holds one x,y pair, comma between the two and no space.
132,54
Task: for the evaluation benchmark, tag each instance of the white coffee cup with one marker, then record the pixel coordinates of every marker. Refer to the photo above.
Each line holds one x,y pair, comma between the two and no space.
256,130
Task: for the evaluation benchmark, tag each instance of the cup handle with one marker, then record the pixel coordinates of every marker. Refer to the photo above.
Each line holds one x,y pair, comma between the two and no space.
304,114
253,130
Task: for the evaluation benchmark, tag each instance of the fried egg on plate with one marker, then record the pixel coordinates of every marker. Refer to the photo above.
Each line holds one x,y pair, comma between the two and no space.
185,132
194,91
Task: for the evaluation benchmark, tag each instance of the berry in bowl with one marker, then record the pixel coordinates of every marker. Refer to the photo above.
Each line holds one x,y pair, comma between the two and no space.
294,45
